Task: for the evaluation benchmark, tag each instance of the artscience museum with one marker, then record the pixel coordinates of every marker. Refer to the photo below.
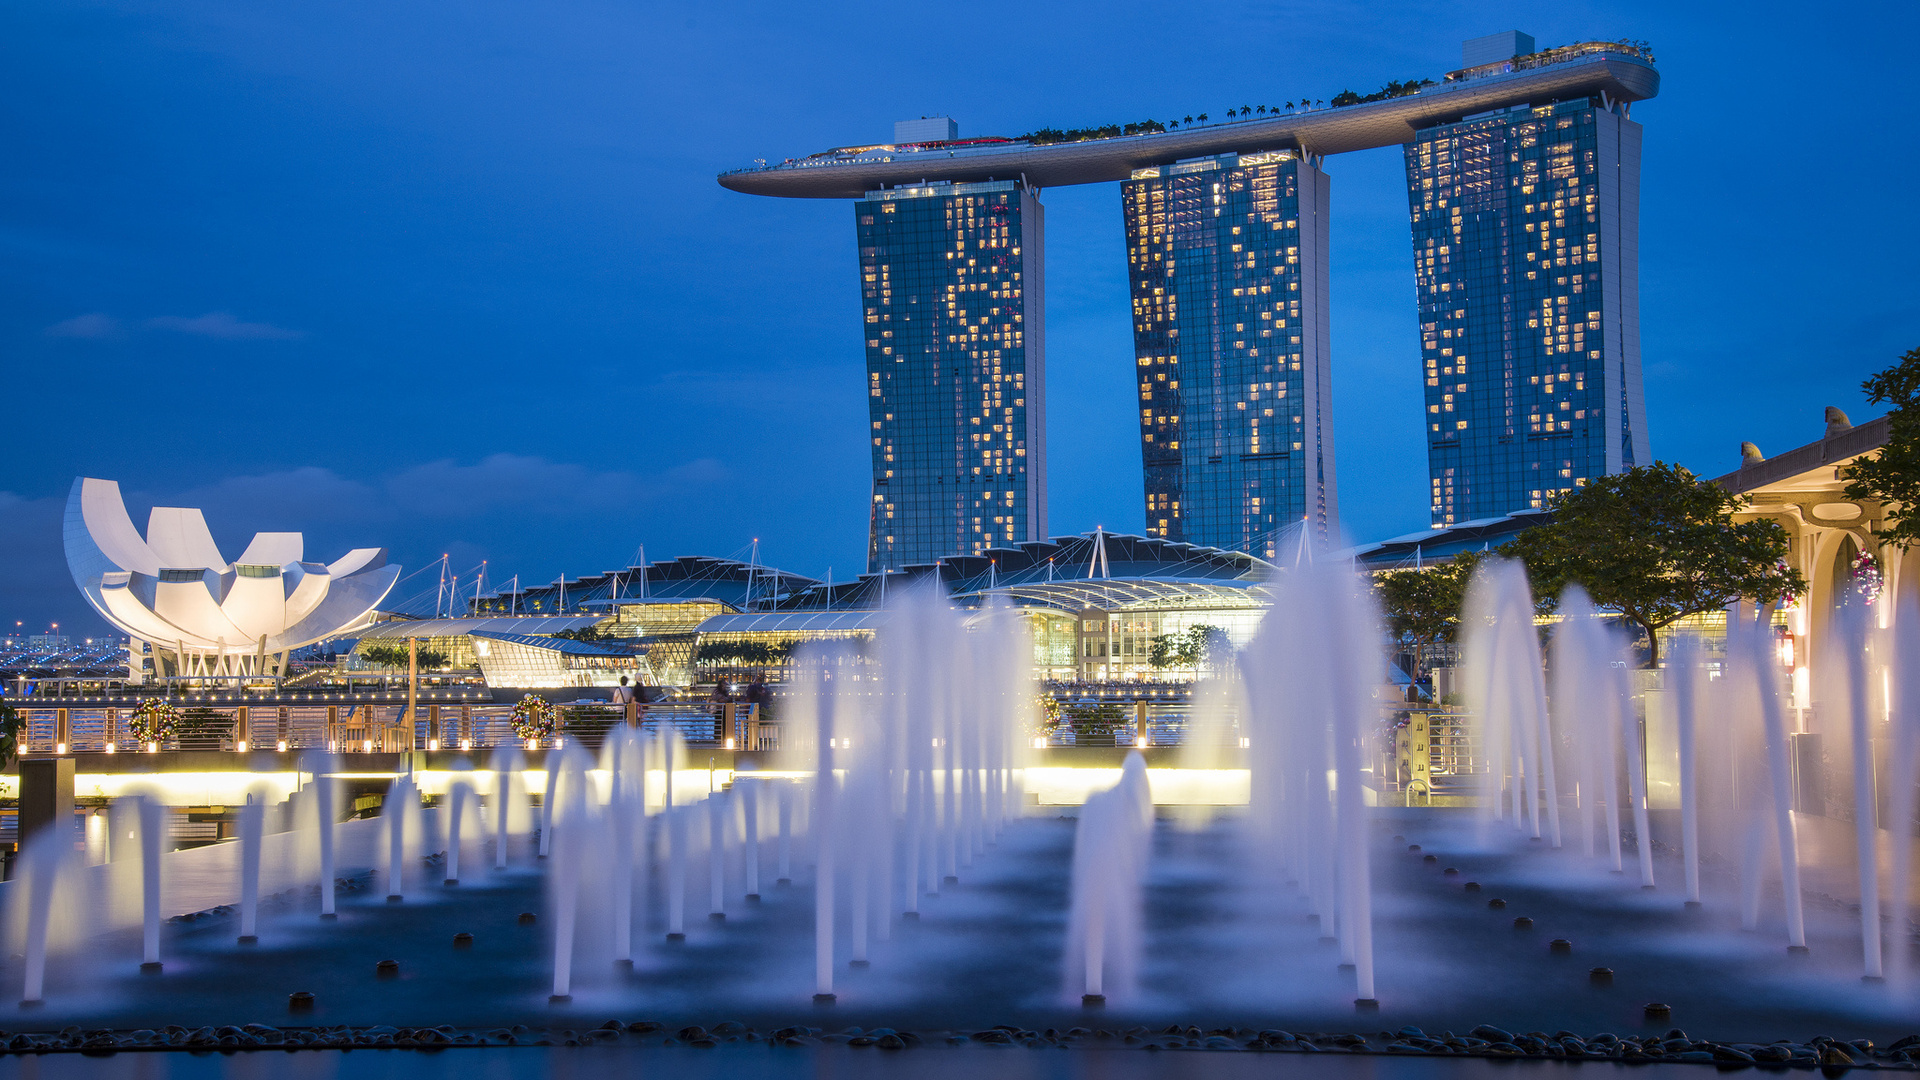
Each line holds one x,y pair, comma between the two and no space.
190,612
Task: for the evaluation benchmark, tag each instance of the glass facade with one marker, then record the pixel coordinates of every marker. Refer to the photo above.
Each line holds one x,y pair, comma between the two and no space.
952,290
1525,248
1097,645
1227,260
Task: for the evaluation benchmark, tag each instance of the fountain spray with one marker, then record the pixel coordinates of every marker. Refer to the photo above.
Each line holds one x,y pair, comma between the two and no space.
152,826
323,806
1683,668
750,835
252,823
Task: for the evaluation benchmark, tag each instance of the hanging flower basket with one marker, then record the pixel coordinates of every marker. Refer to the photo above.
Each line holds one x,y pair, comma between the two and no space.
1788,601
153,722
1866,578
532,718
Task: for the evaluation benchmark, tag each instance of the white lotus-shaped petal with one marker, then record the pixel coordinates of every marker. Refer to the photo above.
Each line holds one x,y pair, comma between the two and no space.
172,587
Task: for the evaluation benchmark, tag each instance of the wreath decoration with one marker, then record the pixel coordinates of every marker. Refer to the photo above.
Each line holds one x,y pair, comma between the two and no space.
154,721
1049,711
532,718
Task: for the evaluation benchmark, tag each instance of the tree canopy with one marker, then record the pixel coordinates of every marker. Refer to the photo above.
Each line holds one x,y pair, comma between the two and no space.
1892,478
1657,544
1423,606
10,724
395,656
1199,646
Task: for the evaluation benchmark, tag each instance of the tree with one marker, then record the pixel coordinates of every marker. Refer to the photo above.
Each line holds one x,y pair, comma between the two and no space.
1657,544
395,656
1200,646
1423,606
1892,478
10,722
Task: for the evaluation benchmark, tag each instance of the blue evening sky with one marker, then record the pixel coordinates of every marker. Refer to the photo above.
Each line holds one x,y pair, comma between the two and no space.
456,277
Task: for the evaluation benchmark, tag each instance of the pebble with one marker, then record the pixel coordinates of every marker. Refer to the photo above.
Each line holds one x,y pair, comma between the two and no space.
1485,1040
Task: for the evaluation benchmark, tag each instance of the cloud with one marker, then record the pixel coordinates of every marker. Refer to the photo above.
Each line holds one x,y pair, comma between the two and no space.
503,482
497,491
34,578
93,327
222,324
527,514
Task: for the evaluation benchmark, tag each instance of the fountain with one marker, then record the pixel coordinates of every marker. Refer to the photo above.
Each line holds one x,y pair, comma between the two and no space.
944,874
152,833
326,816
1110,848
44,860
252,822
1852,644
750,836
401,800
1311,670
1683,667
623,761
568,827
1589,708
1505,689
1903,769
508,793
718,808
459,793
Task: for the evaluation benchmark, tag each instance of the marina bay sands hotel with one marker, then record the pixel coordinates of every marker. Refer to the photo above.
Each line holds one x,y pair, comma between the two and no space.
1523,181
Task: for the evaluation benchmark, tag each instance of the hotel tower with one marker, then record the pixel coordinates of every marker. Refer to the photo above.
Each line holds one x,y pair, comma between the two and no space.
954,302
1227,262
1526,263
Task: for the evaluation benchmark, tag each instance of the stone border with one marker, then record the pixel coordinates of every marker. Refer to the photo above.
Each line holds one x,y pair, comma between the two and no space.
1483,1042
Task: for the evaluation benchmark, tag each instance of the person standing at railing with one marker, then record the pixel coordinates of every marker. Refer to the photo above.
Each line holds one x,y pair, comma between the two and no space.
758,697
624,697
722,697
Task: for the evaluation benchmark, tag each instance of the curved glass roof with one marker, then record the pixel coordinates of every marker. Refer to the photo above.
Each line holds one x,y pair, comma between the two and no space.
567,646
1134,594
795,622
511,625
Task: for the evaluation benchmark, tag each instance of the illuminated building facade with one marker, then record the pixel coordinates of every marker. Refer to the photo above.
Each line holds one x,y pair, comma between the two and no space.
953,295
1525,244
1227,261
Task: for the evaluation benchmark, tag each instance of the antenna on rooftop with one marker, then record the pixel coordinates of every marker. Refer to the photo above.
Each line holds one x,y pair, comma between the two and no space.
753,569
1099,557
440,591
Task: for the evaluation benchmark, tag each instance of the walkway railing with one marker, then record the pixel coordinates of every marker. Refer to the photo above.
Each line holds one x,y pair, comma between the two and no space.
378,727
